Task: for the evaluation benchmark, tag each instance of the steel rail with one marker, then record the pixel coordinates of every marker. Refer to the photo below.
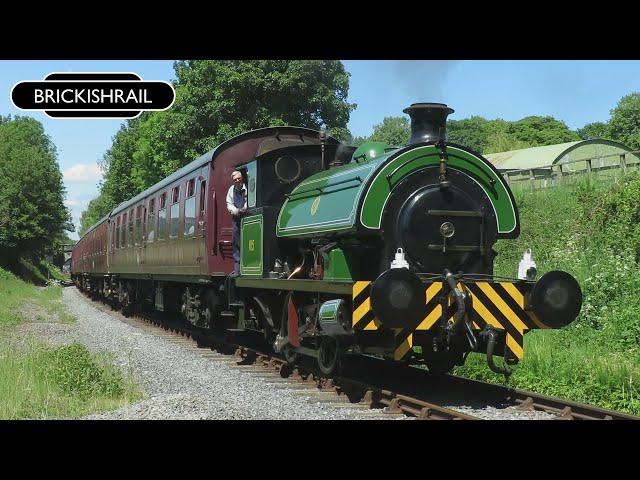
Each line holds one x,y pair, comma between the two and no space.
565,409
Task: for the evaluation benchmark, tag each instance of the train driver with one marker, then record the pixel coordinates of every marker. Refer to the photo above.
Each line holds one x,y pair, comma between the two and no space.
237,206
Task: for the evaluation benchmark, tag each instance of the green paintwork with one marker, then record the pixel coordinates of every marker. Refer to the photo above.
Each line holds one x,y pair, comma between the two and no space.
316,286
326,201
492,183
370,150
251,245
336,268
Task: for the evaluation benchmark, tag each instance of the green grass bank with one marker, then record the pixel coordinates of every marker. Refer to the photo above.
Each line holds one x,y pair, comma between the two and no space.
38,381
590,229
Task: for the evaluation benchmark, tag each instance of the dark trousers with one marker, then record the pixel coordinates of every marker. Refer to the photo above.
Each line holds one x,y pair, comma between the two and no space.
236,245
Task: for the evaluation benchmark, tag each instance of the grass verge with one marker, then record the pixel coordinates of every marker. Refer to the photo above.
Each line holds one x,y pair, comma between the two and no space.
65,382
38,381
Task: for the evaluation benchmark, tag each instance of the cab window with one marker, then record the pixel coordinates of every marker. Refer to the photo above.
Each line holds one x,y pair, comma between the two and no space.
252,169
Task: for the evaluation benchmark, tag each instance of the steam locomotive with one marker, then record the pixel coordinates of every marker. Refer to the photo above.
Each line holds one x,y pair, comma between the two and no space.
372,250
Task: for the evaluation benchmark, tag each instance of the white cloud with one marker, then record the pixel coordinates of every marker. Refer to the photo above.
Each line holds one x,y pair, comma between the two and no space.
83,172
72,203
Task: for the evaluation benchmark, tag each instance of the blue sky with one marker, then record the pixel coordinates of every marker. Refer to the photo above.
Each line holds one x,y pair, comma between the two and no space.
577,92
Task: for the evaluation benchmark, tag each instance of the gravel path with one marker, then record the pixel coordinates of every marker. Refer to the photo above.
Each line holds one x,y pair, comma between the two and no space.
182,384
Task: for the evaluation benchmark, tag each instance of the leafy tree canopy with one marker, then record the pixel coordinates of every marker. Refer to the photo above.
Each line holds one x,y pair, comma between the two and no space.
471,132
595,130
32,211
539,131
480,134
393,130
625,121
118,184
501,141
97,208
215,101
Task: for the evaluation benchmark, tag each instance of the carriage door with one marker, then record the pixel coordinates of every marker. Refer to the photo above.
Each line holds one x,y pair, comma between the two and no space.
143,237
201,226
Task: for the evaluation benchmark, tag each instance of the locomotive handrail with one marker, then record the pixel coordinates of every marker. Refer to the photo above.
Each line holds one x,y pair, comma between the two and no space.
321,189
395,170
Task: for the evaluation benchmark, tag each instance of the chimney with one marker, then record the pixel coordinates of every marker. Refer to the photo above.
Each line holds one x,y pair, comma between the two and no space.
428,122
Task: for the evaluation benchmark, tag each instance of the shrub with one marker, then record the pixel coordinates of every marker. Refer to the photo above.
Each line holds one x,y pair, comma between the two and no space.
75,371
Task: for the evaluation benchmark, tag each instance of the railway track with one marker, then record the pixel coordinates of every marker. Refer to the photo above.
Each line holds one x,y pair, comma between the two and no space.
371,383
443,389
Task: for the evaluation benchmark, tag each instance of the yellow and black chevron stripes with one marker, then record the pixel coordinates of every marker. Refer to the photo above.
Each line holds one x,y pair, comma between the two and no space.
403,337
362,318
499,304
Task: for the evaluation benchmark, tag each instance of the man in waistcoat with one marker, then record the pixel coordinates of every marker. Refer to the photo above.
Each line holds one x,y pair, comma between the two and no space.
237,206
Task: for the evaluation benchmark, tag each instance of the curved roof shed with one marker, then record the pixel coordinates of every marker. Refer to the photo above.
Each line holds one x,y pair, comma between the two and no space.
604,151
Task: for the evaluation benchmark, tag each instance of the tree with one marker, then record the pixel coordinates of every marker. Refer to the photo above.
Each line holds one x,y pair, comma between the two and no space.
354,141
97,208
357,141
625,121
118,164
538,131
471,132
393,130
594,130
32,212
215,101
501,141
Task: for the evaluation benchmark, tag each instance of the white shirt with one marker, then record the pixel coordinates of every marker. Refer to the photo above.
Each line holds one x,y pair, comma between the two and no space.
233,210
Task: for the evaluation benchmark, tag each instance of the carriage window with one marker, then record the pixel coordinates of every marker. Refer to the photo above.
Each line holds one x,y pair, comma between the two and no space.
130,231
175,212
138,228
162,217
117,232
190,209
123,231
251,183
203,197
113,236
151,222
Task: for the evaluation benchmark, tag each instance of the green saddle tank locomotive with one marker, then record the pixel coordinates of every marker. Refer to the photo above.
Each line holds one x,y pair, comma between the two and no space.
375,250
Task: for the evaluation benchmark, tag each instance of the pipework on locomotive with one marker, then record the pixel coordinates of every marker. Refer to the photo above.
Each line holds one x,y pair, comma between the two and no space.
372,250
